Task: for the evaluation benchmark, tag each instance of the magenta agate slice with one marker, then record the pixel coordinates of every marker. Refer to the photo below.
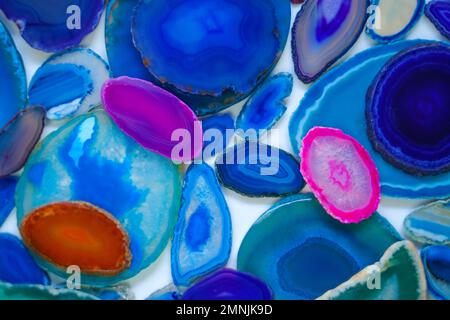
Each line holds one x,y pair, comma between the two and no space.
438,11
151,115
341,174
323,31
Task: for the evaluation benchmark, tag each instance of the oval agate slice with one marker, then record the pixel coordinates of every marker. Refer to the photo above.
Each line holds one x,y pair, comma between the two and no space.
229,284
436,261
323,31
399,275
18,138
202,237
301,252
7,191
53,25
341,174
438,11
211,54
215,133
82,162
408,118
40,292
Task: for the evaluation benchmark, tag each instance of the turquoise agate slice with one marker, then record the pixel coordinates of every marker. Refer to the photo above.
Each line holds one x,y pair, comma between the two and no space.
40,292
301,252
81,162
202,237
338,100
436,261
7,191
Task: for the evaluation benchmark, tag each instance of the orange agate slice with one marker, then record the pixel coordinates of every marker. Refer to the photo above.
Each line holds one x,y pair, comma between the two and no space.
78,233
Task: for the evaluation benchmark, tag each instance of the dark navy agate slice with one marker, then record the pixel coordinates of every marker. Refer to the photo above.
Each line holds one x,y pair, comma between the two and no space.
436,262
229,284
16,264
323,31
211,54
7,191
408,110
53,25
438,11
258,170
215,133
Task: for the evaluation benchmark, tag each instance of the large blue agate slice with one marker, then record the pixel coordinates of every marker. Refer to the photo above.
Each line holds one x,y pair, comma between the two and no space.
211,54
202,237
7,191
40,292
16,264
438,11
301,252
323,31
266,106
80,162
436,262
13,80
69,83
56,24
339,100
258,170
215,133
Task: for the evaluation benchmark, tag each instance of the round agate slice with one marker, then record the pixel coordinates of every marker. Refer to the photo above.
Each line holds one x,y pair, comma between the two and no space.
341,174
89,159
301,252
436,261
211,54
408,110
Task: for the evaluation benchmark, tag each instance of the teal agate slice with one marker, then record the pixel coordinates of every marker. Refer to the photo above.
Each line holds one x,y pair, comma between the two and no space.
40,292
301,252
89,159
338,100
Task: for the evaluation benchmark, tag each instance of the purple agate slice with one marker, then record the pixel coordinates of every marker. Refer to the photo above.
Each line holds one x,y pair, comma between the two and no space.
228,284
323,31
438,11
154,118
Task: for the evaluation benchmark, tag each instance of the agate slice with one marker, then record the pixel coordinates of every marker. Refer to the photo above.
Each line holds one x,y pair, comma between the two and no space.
341,174
229,284
399,275
7,203
16,264
392,20
215,133
266,106
258,170
202,237
82,162
154,118
40,292
408,118
436,261
13,80
167,293
438,11
301,252
429,224
18,138
211,54
53,25
323,31
338,100
69,83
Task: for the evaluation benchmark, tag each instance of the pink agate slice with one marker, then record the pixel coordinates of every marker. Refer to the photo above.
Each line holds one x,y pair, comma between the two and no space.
154,118
341,174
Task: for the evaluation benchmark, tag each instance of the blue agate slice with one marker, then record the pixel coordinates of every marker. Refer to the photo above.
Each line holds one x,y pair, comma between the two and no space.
301,252
7,191
438,11
215,133
39,292
323,31
168,293
13,80
338,100
202,237
258,170
211,54
436,262
16,264
81,162
266,106
69,83
53,25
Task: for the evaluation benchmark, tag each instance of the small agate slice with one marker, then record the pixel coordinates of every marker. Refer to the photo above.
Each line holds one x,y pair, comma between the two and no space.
16,264
266,106
215,133
429,224
392,20
438,11
436,261
153,117
168,293
408,118
323,31
341,174
399,275
19,137
229,284
53,25
202,237
7,201
40,292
